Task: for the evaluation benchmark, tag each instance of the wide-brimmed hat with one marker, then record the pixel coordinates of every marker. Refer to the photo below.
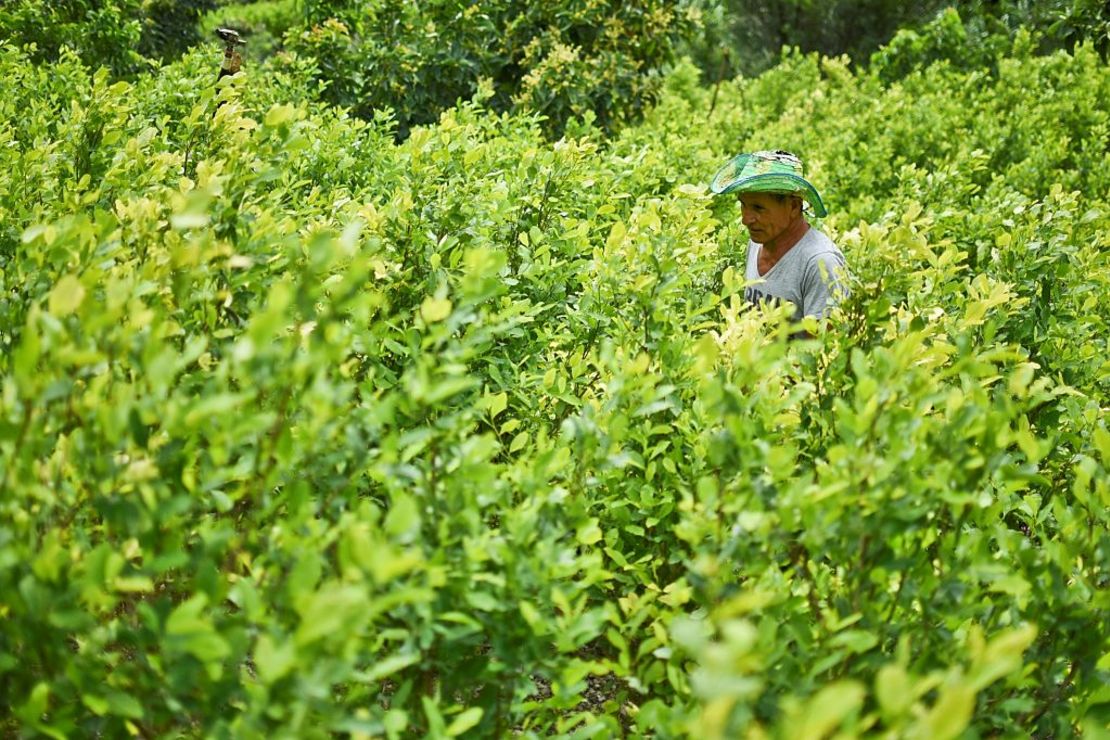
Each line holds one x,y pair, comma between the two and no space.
767,172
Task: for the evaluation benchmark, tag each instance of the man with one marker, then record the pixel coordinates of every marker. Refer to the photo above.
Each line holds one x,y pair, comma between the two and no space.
788,260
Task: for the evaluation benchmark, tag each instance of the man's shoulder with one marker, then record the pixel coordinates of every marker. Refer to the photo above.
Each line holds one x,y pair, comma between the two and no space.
817,242
819,248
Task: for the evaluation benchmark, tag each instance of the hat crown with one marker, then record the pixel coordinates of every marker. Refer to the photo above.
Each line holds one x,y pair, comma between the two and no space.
774,171
778,161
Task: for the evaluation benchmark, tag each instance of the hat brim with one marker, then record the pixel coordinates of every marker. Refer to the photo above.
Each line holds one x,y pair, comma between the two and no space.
725,181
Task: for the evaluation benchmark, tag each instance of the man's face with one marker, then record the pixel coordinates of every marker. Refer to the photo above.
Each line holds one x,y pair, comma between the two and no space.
766,216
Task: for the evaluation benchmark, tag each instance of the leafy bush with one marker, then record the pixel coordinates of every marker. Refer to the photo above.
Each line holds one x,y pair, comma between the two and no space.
306,432
98,31
975,35
170,26
118,34
747,36
562,60
945,37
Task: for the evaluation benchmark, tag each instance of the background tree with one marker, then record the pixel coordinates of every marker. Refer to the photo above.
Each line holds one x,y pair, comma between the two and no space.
746,36
562,60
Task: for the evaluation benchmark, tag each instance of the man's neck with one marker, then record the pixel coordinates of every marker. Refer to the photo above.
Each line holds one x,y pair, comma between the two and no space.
783,243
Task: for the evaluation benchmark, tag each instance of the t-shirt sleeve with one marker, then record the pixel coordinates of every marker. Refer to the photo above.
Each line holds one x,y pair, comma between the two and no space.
823,284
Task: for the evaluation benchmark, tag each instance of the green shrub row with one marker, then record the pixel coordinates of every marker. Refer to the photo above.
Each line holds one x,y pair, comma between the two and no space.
306,432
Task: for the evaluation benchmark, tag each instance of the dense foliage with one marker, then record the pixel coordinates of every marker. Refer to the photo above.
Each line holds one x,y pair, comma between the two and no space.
121,35
563,60
170,26
101,33
746,35
1062,23
304,431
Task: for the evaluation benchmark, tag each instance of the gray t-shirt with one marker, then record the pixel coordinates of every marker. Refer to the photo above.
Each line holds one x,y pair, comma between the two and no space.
811,276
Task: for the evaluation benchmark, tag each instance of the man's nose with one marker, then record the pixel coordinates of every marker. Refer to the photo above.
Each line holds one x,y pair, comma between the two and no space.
747,218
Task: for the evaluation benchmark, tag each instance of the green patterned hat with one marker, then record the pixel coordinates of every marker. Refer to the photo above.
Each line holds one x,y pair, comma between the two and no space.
767,172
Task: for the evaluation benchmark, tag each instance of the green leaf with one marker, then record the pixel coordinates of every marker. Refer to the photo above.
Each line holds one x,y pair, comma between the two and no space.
677,594
335,611
191,631
66,297
856,641
189,220
279,114
1101,439
951,713
403,519
26,355
436,725
435,309
274,661
483,601
589,533
395,721
442,389
533,617
520,441
893,690
1001,656
124,705
388,666
98,705
497,403
33,232
466,720
616,235
829,708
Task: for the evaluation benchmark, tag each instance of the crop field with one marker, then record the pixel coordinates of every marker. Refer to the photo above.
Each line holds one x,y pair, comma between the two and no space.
318,419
